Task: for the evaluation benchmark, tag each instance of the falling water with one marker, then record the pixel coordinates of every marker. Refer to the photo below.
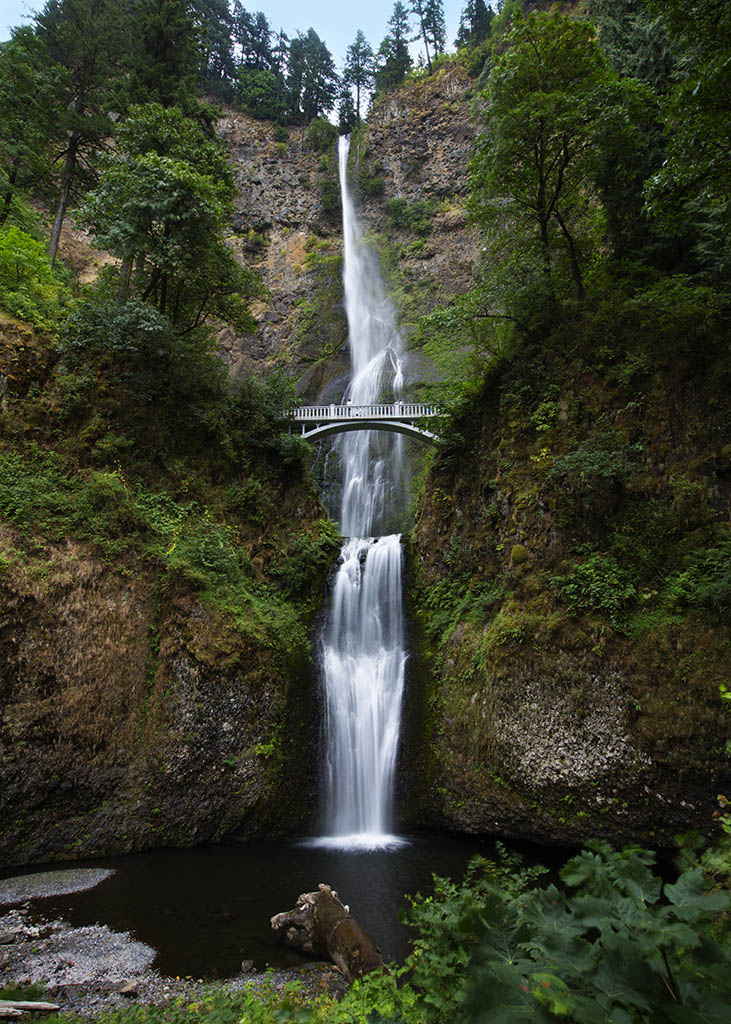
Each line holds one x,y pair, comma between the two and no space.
363,641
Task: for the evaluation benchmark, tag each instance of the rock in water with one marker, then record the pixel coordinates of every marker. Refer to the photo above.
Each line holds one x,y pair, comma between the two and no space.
321,925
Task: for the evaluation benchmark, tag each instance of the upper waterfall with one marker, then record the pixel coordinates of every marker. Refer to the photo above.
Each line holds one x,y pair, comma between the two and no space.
373,465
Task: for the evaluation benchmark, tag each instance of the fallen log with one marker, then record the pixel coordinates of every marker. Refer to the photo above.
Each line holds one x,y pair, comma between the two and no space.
15,1007
321,925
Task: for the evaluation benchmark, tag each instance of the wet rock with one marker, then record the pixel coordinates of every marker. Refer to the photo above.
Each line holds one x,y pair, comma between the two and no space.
247,966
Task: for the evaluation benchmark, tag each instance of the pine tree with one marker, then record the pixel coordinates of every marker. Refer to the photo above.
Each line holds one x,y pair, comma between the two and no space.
346,111
215,27
394,59
359,71
166,62
31,90
312,80
432,29
474,24
254,37
88,38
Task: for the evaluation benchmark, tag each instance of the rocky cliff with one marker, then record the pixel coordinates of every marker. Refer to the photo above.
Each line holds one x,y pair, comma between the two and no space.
131,720
571,577
157,685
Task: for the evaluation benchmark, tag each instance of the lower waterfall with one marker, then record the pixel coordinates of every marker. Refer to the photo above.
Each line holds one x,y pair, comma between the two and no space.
363,643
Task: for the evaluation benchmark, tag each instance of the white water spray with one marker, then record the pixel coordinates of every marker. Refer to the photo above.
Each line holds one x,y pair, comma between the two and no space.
363,652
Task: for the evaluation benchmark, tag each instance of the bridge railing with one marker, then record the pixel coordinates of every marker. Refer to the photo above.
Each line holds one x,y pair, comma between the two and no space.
384,410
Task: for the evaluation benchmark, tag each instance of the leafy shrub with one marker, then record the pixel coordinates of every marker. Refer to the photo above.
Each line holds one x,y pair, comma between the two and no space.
597,585
371,185
136,346
30,288
329,194
416,217
321,134
704,582
206,553
308,559
599,462
622,947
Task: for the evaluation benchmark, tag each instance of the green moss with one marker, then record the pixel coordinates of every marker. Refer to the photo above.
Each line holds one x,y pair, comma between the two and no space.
518,554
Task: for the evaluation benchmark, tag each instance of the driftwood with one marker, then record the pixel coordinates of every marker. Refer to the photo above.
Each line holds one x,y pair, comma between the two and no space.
321,925
16,1007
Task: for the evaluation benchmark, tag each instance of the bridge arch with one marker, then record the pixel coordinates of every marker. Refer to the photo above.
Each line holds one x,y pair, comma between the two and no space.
392,426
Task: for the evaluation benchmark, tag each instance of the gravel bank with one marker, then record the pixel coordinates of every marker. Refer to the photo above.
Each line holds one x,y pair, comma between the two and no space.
90,969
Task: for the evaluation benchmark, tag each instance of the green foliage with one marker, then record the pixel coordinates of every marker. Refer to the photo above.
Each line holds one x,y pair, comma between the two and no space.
329,193
460,599
207,554
321,134
359,71
312,80
31,87
370,183
690,192
603,460
393,60
598,585
449,926
416,217
161,206
635,40
623,947
704,582
613,943
308,559
261,93
162,56
547,98
30,288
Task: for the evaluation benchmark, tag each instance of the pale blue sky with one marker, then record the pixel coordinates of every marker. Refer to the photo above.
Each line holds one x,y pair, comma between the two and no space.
334,21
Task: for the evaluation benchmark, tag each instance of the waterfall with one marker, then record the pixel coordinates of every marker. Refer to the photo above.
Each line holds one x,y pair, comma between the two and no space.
363,645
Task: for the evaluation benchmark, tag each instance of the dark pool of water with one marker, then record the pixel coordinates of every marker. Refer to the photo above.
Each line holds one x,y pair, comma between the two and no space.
207,909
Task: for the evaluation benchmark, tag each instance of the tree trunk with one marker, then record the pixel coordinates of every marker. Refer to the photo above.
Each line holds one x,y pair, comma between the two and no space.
67,180
321,925
8,197
575,268
125,274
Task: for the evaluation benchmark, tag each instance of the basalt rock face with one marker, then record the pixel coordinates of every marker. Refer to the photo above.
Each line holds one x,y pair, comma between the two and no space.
576,656
131,722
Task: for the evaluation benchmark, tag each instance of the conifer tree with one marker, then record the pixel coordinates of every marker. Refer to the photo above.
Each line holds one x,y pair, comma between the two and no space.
31,88
215,29
432,29
312,80
166,61
346,111
88,38
474,24
359,70
394,59
254,37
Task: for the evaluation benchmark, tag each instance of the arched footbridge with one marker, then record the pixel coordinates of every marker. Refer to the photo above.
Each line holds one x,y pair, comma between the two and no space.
318,421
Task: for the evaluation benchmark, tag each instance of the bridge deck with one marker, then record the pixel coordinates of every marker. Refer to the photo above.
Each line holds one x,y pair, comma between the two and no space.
386,411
